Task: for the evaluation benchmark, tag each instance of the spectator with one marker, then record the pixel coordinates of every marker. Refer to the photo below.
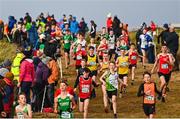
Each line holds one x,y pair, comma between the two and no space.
172,42
93,29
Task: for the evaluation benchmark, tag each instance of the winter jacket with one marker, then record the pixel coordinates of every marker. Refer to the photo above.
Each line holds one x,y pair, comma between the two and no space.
42,73
33,35
74,27
172,42
54,72
16,65
109,23
27,71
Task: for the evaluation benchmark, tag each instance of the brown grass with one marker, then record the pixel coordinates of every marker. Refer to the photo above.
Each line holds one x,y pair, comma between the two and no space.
128,106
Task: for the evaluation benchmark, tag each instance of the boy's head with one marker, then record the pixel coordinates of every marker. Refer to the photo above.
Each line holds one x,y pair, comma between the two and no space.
86,72
132,46
79,47
112,65
91,50
22,98
83,63
63,84
147,77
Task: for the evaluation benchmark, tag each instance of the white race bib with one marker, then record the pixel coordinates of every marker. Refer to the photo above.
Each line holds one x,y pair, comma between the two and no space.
20,115
65,115
133,57
164,66
79,57
149,97
85,89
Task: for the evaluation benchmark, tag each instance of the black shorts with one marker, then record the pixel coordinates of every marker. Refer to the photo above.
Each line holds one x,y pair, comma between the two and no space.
149,109
111,93
166,76
66,50
83,99
121,76
78,66
132,65
93,73
111,51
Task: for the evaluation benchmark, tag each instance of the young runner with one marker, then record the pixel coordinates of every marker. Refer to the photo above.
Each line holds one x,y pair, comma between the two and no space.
67,39
79,55
148,90
85,83
110,81
111,44
164,62
103,47
133,56
64,103
122,64
23,110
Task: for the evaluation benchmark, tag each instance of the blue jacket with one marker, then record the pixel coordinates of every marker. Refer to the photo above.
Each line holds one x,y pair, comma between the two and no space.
74,26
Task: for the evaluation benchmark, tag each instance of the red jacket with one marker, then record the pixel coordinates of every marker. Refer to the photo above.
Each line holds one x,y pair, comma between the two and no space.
109,22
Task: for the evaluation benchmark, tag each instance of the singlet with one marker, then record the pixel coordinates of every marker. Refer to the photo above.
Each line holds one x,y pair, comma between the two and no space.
133,57
123,62
92,62
111,42
19,114
64,106
164,67
111,81
85,87
149,99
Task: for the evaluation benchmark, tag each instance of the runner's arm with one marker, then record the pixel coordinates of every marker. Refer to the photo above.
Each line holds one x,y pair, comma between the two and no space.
141,90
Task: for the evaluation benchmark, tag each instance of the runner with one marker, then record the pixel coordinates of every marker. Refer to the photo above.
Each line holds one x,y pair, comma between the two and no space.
148,90
103,47
164,62
105,63
122,64
67,39
79,55
85,83
64,103
110,81
23,110
133,55
111,44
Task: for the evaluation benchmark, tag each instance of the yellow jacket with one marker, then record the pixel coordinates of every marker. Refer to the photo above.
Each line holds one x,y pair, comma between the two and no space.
16,65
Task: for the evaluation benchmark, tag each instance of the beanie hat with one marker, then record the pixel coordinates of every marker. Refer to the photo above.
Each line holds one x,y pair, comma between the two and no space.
166,26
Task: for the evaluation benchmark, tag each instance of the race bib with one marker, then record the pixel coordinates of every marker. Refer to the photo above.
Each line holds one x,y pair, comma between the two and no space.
66,115
133,57
66,41
79,57
164,66
149,97
85,89
92,63
20,115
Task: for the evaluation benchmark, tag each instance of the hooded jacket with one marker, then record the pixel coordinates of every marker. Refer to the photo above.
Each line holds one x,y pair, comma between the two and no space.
54,72
16,65
27,71
42,73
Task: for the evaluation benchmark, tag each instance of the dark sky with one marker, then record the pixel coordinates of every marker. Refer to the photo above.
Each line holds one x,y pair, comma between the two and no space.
133,12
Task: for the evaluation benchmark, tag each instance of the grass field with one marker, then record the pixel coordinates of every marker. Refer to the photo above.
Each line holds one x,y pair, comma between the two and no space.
130,106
